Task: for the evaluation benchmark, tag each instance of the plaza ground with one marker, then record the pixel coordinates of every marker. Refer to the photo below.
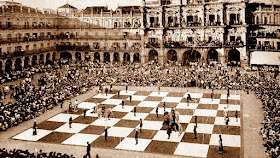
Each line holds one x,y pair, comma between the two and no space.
251,142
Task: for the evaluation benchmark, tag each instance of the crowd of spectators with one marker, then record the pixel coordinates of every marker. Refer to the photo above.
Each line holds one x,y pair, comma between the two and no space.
25,72
25,153
55,86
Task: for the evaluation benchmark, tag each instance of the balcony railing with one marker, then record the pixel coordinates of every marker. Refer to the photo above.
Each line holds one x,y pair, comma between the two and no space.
152,45
72,47
263,48
235,44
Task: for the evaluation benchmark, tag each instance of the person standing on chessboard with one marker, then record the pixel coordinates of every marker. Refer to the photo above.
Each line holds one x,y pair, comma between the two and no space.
227,121
35,128
130,98
136,136
163,107
126,88
118,93
221,148
70,122
157,111
122,103
85,113
228,92
88,150
236,115
141,125
169,131
134,110
212,94
158,89
106,133
195,132
195,120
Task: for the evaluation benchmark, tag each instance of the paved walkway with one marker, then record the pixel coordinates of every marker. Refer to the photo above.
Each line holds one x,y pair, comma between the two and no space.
252,142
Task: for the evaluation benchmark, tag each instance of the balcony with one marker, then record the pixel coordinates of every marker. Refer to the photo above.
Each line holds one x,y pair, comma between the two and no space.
234,44
72,47
26,39
17,27
152,45
185,44
263,48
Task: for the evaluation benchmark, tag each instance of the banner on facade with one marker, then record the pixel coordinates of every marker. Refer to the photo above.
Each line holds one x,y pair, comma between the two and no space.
265,58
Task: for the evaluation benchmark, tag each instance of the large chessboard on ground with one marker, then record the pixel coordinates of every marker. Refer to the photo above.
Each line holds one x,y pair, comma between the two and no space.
154,139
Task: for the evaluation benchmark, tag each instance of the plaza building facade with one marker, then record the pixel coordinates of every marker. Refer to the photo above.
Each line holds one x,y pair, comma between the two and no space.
163,30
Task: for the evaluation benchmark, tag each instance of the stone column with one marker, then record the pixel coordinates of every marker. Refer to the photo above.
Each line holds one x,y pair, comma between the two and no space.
111,57
121,57
83,56
73,56
101,57
22,62
131,57
160,16
13,64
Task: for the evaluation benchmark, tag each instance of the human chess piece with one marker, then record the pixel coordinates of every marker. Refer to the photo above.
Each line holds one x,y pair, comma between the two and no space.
195,132
35,128
221,148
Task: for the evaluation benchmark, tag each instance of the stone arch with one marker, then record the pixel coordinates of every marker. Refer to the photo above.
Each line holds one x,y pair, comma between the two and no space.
48,59
8,65
116,57
172,55
78,56
191,56
126,57
212,55
18,64
106,58
96,56
65,55
34,60
153,55
41,59
54,56
26,61
234,57
136,57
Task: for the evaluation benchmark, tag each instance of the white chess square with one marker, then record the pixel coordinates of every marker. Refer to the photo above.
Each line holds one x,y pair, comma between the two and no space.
86,105
231,97
104,122
228,140
205,112
63,117
130,144
28,135
172,99
232,121
201,128
75,128
81,139
229,107
138,98
186,106
160,110
119,131
209,101
150,104
123,92
194,95
156,94
112,101
130,116
151,125
103,96
192,149
162,136
185,118
124,109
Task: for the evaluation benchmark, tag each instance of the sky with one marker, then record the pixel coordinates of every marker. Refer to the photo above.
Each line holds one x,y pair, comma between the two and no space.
81,4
